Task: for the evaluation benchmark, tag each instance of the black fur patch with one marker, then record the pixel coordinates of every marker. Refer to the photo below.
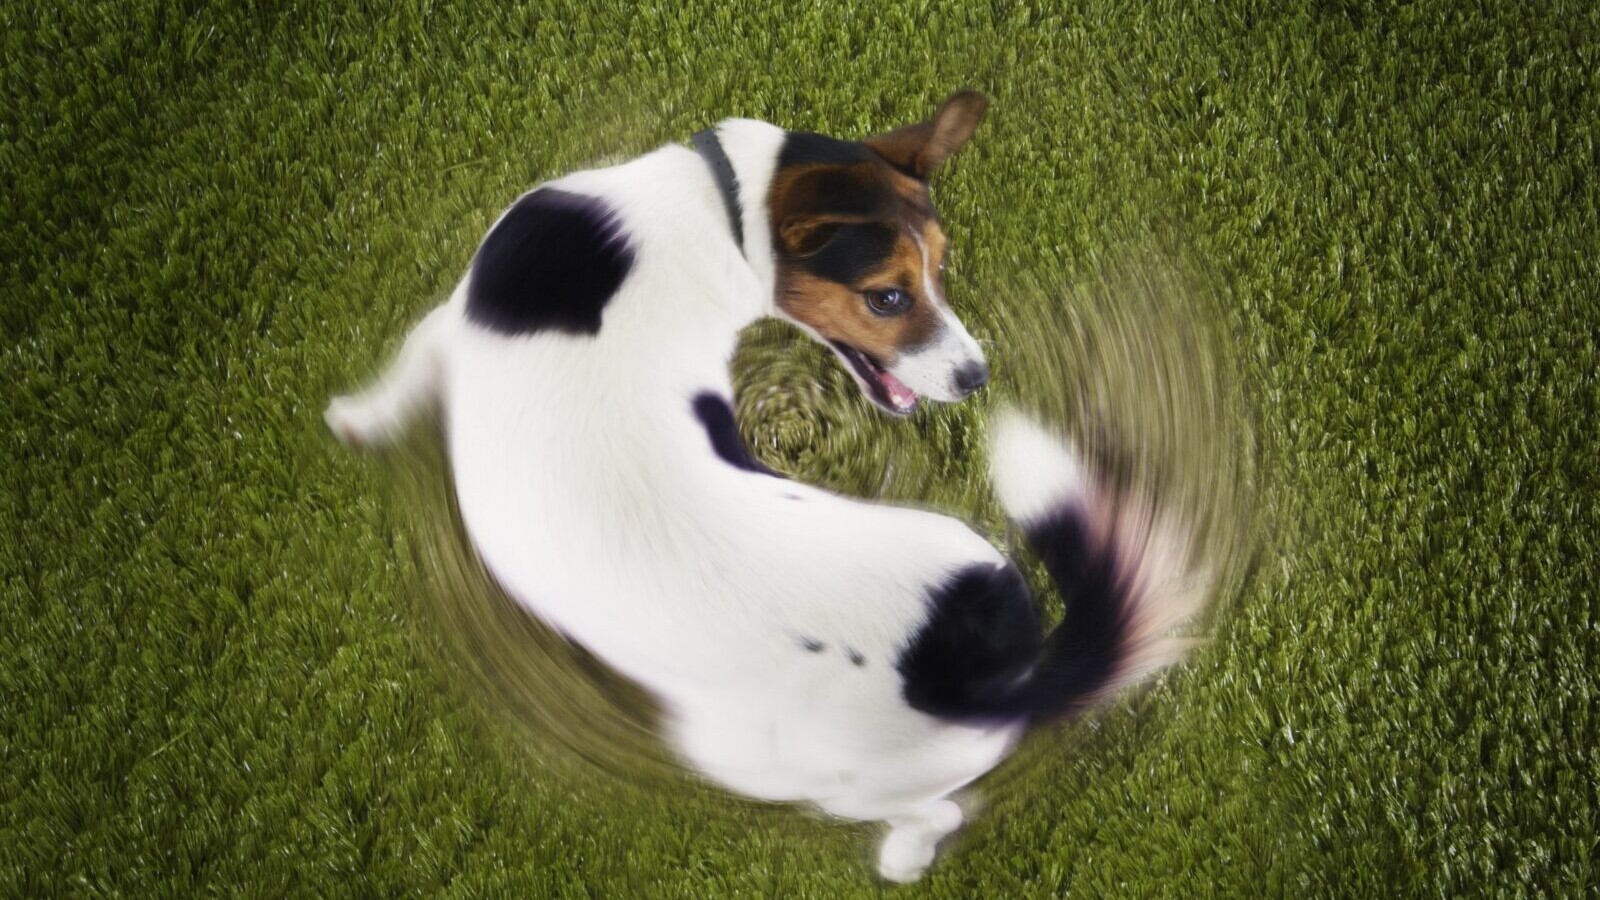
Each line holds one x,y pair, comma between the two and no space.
852,252
716,417
841,193
979,656
812,645
973,655
551,264
1083,652
803,148
855,657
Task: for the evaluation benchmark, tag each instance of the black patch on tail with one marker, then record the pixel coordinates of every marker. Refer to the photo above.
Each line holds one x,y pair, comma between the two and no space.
550,264
980,655
716,417
1083,652
971,658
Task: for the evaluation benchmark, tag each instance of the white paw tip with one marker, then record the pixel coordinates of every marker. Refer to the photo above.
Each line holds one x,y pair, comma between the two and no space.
342,419
909,848
903,871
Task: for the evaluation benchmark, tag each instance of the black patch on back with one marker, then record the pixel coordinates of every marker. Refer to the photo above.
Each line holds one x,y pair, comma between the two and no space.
550,264
852,252
855,657
716,417
803,148
812,645
972,657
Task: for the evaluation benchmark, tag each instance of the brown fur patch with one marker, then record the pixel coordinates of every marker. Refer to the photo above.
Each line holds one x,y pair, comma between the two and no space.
919,150
843,217
838,311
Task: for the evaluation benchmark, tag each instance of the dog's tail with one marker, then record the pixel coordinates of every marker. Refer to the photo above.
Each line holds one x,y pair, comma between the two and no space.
1122,568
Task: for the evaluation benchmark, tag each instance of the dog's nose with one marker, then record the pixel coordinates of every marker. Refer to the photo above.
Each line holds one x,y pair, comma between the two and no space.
971,376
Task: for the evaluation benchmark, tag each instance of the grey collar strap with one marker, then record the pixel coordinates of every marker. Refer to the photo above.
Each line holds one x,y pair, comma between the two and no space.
710,150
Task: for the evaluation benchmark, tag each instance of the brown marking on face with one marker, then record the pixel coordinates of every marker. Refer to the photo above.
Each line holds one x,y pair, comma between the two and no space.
846,220
829,263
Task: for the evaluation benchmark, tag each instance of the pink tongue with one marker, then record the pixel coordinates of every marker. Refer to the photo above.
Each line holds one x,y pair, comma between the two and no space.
900,395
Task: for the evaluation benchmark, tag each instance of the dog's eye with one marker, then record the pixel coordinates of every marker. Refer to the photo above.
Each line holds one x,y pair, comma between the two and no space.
888,303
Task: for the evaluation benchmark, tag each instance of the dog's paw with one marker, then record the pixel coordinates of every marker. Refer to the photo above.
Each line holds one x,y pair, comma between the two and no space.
905,855
911,844
357,424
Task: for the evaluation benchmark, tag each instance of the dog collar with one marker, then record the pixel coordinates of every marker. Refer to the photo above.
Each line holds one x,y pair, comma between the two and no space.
710,150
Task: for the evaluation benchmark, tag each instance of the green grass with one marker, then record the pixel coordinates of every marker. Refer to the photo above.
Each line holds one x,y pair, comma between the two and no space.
211,674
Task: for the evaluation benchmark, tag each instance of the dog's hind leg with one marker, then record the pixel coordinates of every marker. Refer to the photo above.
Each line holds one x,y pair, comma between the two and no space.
376,416
909,847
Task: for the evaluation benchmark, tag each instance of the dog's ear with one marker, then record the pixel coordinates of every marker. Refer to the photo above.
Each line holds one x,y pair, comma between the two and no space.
811,204
922,148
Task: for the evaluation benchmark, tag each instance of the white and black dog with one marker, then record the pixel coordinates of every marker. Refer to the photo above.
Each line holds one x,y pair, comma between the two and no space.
805,646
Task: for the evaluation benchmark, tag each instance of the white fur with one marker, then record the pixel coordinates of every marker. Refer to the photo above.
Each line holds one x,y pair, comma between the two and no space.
1035,473
930,370
1032,471
591,492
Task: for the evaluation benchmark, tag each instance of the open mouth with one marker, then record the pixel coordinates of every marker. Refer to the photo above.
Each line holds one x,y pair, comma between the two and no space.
881,387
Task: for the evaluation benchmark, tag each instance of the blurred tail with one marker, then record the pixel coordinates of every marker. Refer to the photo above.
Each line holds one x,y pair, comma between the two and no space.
1121,568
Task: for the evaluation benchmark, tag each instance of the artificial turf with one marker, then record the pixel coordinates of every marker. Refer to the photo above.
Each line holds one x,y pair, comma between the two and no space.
211,677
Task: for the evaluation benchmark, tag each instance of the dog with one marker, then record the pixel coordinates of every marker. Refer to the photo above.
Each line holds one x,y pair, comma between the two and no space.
869,659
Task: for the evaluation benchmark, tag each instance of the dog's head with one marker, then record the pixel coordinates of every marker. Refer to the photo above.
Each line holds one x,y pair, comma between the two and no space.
860,256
